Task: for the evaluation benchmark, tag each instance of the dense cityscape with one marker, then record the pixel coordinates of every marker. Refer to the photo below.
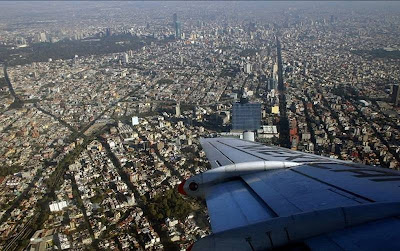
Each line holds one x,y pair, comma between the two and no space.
103,105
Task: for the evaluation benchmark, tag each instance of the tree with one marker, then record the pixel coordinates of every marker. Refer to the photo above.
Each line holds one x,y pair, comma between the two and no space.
169,204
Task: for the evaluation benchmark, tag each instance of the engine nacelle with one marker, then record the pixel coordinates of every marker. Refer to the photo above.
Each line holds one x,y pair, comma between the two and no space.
198,185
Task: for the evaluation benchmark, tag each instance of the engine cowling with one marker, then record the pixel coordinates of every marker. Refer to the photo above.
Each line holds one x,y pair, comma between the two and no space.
198,185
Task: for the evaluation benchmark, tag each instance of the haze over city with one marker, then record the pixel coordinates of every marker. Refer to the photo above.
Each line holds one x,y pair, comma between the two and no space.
103,105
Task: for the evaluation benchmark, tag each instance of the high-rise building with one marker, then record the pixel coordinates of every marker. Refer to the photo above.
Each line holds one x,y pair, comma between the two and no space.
177,26
248,68
135,120
20,41
76,59
178,110
109,32
275,72
246,116
178,30
396,95
271,84
125,58
43,37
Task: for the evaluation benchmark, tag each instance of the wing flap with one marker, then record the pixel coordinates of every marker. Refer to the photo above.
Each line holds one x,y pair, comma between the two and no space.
280,204
288,192
377,235
232,204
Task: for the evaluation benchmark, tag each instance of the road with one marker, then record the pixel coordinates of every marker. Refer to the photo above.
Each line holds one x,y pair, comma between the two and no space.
283,122
72,129
10,87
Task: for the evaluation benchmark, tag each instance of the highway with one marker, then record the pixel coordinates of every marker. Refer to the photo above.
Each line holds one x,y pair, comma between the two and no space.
283,123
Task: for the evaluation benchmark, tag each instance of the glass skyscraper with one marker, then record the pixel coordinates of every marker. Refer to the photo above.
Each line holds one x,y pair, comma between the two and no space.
246,116
178,30
177,26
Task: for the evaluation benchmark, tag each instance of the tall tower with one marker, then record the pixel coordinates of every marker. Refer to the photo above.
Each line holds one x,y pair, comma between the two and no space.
177,26
125,58
178,30
178,110
396,95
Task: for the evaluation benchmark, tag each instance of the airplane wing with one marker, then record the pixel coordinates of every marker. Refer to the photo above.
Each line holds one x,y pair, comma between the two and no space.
263,197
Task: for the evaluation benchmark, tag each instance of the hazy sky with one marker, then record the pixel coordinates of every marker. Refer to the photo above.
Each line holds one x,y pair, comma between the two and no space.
48,9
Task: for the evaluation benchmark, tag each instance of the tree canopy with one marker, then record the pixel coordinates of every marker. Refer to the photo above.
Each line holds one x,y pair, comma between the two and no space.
169,204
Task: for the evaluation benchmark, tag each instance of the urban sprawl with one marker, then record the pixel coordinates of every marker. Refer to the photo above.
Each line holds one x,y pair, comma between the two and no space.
103,105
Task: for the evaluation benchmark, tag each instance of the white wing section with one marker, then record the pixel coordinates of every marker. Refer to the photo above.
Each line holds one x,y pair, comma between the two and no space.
225,151
319,183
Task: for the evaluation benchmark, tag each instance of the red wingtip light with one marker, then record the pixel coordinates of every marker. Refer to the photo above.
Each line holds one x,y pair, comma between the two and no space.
190,247
180,188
